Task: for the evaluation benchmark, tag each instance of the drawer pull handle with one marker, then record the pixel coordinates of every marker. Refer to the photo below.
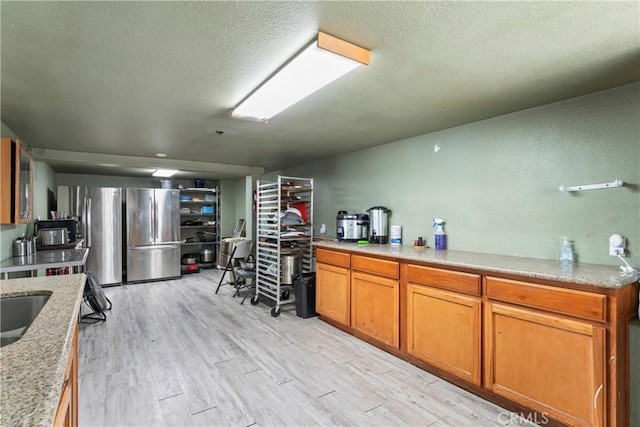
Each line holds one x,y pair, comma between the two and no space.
595,398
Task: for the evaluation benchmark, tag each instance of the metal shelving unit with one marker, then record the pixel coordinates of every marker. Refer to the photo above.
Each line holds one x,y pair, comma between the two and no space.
277,242
200,199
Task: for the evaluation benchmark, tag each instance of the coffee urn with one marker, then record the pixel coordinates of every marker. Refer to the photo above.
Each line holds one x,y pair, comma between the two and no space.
378,224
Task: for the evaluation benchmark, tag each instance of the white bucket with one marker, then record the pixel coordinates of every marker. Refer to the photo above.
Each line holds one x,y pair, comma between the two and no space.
396,235
166,184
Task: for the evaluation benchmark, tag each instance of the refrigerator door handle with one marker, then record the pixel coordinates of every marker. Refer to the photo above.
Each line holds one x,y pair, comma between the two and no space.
154,218
88,216
83,222
146,248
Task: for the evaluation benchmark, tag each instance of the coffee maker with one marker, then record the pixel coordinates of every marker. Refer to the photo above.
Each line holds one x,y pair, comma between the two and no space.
378,224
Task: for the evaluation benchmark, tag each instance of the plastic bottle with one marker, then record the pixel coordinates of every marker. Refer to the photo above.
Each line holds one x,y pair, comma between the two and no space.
566,251
440,237
396,235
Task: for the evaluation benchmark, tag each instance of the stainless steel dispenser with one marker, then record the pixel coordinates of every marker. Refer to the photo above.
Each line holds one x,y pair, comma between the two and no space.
378,224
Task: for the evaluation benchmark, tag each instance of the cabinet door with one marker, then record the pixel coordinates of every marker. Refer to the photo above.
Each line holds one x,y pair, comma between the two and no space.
443,329
64,416
375,307
24,185
333,292
6,182
548,363
67,412
16,189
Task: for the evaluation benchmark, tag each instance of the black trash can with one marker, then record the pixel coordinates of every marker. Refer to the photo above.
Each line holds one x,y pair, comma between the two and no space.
305,289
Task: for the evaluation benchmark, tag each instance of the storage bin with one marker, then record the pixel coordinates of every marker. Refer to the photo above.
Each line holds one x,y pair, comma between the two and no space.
207,210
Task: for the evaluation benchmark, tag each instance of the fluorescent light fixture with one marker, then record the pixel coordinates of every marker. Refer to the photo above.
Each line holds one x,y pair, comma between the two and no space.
326,59
164,173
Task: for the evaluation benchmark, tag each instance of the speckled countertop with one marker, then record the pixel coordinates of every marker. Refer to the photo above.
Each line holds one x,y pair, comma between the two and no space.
603,276
32,369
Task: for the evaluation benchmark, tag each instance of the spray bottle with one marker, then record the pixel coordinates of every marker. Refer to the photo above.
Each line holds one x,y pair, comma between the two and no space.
440,237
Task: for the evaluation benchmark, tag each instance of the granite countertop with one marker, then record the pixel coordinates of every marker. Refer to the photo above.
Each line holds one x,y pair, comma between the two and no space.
32,369
602,276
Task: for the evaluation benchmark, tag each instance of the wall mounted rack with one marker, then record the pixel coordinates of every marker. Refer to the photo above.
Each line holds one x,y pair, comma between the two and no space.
614,184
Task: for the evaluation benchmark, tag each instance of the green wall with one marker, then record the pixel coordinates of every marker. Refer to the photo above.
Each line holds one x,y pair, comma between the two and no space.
244,204
495,182
228,209
240,200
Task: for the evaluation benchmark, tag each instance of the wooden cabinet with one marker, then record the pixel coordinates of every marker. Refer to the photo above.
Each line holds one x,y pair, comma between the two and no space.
375,298
546,362
444,330
7,166
558,351
444,322
375,309
333,286
67,413
16,188
584,305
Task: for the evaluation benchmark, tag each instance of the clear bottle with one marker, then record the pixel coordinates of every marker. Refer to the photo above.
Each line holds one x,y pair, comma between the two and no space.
440,237
566,251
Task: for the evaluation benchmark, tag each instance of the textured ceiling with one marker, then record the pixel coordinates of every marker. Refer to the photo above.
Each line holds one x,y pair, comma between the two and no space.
126,80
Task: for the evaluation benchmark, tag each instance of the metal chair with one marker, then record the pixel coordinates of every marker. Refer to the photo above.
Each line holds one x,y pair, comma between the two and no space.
240,276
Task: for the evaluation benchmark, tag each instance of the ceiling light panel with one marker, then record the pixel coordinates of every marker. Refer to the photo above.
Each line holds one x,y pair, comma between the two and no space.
164,173
322,62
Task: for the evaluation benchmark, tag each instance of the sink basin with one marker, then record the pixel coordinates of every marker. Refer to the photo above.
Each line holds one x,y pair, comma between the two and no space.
17,314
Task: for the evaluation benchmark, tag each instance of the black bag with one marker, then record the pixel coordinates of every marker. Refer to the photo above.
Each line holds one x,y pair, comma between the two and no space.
96,299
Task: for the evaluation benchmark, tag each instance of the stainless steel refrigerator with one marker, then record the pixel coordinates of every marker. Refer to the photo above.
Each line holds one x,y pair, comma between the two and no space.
99,212
153,234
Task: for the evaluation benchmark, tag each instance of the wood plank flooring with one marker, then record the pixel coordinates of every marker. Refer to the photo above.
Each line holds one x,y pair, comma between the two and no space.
173,353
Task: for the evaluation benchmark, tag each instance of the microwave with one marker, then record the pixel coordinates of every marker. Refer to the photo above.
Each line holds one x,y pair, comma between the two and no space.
71,225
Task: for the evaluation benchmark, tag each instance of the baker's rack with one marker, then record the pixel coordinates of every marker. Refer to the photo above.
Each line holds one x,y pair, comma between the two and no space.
276,240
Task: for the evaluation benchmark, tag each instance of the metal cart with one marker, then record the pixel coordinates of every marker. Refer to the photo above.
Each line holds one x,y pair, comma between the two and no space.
284,237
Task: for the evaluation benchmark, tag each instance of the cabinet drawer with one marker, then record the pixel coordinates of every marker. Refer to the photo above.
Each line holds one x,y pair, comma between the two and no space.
380,267
445,279
567,301
339,259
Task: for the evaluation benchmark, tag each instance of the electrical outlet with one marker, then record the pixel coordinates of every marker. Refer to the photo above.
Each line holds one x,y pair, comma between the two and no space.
616,245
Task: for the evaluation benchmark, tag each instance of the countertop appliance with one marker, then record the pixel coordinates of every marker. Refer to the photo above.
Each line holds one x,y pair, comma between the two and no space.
379,224
99,212
53,236
72,226
153,234
352,227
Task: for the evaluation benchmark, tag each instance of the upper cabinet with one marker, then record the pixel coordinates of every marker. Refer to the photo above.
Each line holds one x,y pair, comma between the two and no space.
16,191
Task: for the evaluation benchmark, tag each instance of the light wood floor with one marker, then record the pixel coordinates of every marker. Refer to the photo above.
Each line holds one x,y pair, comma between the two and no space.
173,353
